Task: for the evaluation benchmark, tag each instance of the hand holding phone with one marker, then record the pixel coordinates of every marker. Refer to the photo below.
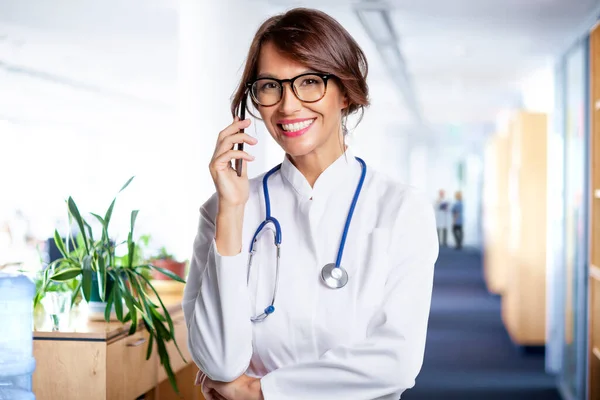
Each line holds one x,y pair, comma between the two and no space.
231,181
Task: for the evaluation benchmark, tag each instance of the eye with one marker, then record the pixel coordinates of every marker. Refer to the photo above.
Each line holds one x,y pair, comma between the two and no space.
309,82
269,86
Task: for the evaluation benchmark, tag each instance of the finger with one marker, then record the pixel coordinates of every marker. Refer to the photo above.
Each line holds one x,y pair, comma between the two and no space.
199,377
223,161
231,140
244,169
207,389
217,396
208,395
234,128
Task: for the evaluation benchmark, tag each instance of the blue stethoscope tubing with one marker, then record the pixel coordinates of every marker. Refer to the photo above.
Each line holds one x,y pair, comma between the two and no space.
277,236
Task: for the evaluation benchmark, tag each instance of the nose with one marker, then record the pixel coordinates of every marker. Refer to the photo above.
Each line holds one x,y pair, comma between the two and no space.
289,103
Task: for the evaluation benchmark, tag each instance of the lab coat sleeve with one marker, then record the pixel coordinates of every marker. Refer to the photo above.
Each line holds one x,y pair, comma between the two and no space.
388,360
216,305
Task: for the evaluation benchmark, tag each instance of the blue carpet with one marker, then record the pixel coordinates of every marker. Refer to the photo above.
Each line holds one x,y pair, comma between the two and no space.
469,355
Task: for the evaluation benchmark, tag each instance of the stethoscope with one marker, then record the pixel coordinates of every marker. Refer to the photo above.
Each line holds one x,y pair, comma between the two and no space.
333,275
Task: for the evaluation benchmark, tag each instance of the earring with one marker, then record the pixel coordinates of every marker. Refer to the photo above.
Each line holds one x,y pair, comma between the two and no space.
344,126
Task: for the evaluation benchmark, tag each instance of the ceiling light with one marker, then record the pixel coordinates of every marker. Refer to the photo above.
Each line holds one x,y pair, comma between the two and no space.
391,56
378,25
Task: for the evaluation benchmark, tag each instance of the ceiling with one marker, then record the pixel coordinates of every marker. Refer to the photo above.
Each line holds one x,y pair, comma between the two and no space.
466,59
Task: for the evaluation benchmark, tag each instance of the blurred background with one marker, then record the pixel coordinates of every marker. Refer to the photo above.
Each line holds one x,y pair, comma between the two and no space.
488,106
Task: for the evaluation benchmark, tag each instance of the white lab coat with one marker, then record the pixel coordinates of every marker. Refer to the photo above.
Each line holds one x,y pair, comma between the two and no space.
442,213
363,341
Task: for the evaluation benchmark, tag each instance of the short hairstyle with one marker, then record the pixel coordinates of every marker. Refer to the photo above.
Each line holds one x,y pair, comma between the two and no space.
312,38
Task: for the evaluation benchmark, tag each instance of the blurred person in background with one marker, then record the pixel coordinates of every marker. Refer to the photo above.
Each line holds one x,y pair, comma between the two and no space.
457,220
442,211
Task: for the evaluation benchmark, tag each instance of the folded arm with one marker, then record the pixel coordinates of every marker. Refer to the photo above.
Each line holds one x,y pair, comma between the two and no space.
216,306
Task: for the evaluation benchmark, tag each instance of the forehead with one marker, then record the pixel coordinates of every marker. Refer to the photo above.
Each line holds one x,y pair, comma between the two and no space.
272,63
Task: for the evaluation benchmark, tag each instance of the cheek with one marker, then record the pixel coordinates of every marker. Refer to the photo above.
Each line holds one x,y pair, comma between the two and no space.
265,114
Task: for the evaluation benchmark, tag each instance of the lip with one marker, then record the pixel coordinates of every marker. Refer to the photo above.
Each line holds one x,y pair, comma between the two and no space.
297,133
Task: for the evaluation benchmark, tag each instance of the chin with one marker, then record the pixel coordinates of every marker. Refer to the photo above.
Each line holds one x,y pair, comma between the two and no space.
298,148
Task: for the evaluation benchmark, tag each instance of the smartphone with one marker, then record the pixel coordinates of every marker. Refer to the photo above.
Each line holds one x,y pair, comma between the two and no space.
240,146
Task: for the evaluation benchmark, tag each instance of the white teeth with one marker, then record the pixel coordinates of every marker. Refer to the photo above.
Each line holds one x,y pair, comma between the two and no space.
297,126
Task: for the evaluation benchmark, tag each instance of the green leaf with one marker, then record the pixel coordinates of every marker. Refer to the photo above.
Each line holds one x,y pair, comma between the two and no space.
166,312
162,330
132,312
74,211
65,274
149,350
168,273
108,214
130,251
147,315
134,215
75,293
133,327
126,184
86,281
104,227
127,318
132,306
89,229
167,316
166,362
109,304
99,218
59,243
101,274
118,302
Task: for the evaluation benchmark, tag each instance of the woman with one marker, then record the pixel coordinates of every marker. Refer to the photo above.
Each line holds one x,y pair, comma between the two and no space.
354,329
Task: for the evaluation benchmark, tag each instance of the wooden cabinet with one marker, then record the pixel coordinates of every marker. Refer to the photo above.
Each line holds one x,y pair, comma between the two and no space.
594,276
524,295
99,361
128,373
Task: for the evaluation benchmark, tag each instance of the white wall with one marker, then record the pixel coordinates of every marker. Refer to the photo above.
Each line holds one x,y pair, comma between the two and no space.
95,93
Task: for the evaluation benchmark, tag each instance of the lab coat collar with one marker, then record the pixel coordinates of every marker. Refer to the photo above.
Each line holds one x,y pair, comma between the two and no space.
337,173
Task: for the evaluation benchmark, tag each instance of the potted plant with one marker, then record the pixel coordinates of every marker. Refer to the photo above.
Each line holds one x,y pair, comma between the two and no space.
119,282
166,261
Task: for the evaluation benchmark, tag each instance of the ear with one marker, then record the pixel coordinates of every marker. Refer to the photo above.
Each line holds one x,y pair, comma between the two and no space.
344,102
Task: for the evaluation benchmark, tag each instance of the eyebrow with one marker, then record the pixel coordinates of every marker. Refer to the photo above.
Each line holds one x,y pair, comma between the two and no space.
267,75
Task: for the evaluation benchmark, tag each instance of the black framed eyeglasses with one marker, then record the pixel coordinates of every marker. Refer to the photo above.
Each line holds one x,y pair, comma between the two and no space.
308,88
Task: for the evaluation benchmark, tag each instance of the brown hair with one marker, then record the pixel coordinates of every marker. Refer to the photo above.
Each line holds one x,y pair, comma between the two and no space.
314,39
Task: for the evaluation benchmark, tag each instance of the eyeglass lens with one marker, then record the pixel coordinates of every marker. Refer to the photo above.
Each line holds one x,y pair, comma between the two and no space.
308,88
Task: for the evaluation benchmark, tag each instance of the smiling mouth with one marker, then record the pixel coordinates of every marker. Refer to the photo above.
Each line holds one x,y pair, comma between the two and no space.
297,128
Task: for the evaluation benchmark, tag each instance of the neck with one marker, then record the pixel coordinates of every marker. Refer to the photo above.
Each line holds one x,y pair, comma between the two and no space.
313,164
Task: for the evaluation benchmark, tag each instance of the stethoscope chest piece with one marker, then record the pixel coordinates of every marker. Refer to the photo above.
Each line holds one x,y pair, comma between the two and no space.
334,277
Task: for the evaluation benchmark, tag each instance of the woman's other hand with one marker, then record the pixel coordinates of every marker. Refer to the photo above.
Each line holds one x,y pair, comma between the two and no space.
243,388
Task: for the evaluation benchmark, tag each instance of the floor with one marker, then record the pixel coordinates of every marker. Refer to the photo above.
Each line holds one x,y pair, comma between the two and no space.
469,355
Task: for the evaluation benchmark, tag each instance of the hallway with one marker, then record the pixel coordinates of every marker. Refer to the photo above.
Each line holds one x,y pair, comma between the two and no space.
469,355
